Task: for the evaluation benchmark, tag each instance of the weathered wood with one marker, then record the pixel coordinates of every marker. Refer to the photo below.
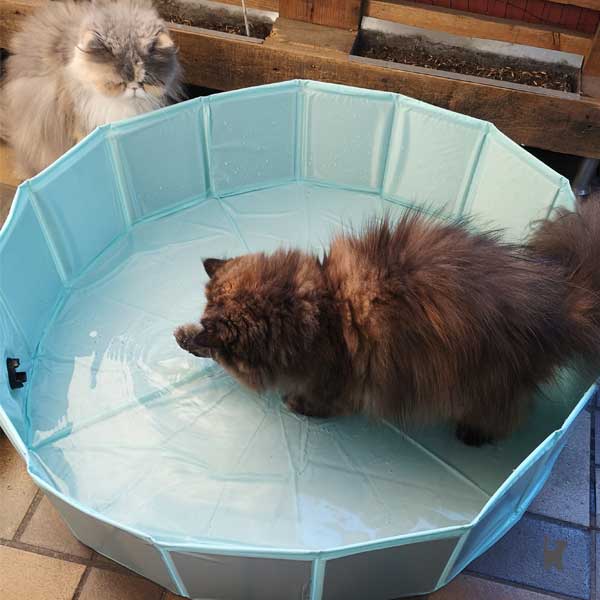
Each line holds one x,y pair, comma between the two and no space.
554,123
592,4
8,172
468,24
344,14
8,181
409,13
591,68
549,122
272,5
287,33
7,194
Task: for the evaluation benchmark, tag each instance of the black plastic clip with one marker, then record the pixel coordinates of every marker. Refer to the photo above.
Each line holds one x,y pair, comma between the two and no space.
16,379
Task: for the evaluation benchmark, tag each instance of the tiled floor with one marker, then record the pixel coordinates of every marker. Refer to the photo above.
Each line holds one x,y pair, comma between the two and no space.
41,560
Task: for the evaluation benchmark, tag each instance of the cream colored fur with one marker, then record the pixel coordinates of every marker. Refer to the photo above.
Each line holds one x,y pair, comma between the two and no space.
58,89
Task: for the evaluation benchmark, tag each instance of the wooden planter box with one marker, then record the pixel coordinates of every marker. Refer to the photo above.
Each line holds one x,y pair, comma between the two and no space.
313,39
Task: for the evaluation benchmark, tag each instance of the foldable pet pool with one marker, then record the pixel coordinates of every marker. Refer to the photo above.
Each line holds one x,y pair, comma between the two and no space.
160,460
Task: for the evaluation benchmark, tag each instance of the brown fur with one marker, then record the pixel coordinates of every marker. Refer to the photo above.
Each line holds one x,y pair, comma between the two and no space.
412,321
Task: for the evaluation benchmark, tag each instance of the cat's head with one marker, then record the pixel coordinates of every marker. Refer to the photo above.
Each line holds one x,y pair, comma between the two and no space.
261,316
124,51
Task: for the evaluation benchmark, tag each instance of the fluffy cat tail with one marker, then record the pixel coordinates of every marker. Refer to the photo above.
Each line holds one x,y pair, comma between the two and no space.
573,240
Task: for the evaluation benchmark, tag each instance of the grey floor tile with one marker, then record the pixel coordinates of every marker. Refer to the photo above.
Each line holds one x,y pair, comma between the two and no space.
469,587
549,556
597,439
597,564
598,504
566,495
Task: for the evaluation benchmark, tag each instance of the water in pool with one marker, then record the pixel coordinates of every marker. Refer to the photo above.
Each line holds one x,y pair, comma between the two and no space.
125,422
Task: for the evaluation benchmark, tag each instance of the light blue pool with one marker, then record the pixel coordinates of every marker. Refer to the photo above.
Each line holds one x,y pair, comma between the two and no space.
162,462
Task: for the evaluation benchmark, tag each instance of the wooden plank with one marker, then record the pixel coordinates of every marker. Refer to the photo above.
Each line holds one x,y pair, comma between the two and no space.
8,172
344,14
7,193
409,13
288,32
592,4
8,181
468,24
591,69
553,123
272,5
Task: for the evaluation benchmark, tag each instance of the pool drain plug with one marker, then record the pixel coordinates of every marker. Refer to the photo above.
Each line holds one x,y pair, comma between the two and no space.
16,379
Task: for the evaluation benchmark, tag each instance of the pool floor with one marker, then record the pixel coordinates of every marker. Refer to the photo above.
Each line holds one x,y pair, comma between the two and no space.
127,424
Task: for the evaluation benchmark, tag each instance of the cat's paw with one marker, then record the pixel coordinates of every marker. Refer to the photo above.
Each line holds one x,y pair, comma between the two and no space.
472,436
185,335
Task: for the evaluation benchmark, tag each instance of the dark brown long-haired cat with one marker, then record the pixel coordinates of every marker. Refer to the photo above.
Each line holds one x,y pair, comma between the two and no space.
416,320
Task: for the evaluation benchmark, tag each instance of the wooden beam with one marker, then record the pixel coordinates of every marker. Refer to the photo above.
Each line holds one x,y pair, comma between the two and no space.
591,4
343,14
471,25
272,5
556,123
400,11
288,33
591,69
465,23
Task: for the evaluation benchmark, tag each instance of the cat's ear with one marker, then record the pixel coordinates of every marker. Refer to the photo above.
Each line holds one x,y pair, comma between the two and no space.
163,41
212,265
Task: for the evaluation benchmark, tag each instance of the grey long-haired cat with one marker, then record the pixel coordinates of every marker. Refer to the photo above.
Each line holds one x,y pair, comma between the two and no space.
75,66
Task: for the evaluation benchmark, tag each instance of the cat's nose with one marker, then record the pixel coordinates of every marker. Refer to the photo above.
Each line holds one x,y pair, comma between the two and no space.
136,87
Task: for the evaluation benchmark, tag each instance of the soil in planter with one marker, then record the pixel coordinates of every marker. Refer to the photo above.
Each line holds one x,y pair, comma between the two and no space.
185,13
420,52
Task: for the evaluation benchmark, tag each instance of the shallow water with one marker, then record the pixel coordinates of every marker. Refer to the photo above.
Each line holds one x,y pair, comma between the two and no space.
128,424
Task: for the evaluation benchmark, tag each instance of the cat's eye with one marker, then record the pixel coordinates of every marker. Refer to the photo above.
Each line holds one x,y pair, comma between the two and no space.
94,44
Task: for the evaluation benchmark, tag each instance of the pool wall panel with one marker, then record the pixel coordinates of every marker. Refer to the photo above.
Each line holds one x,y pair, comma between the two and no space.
432,157
30,283
163,159
251,139
81,208
135,553
345,137
388,573
242,577
511,189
